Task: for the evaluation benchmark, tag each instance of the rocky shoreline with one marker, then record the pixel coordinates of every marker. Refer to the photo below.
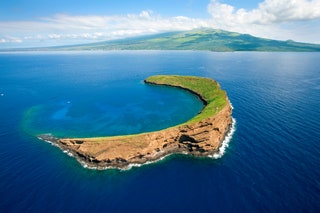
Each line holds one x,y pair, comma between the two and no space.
202,138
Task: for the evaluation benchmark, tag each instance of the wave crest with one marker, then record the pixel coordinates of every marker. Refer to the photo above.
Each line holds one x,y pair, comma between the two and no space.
226,141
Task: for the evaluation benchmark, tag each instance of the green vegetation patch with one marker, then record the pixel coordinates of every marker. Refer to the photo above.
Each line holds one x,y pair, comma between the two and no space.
206,89
198,39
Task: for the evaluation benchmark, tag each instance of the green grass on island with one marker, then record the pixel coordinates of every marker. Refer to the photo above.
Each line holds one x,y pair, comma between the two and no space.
206,88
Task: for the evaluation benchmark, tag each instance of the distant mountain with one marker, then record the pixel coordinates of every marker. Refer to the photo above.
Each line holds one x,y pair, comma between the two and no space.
200,39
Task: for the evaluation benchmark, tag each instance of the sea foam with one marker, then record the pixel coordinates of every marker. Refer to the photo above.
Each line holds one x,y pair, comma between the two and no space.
226,141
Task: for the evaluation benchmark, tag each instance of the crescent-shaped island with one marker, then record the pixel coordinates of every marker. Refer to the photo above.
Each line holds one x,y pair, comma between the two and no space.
200,136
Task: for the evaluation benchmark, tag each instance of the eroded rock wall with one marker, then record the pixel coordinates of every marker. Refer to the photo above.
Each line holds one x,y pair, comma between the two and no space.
199,139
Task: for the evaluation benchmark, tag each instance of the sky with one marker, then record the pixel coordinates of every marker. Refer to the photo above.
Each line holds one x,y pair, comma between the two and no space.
38,23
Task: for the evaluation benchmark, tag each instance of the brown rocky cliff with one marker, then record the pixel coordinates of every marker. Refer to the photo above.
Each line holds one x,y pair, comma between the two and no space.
199,139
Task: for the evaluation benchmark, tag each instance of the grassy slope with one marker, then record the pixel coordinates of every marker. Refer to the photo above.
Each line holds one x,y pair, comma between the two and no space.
201,39
206,88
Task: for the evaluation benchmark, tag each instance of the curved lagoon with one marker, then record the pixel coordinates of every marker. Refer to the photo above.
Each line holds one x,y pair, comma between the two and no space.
271,164
120,108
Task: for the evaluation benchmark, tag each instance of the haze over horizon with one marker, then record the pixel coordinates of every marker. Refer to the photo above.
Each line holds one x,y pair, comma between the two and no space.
36,23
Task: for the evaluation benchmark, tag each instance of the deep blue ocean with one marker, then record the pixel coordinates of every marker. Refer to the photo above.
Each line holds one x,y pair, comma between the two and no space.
272,163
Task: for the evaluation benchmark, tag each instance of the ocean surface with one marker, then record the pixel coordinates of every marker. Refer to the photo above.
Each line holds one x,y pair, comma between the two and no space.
272,163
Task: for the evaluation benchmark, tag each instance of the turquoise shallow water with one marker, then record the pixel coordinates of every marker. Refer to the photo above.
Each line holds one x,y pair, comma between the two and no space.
271,164
112,111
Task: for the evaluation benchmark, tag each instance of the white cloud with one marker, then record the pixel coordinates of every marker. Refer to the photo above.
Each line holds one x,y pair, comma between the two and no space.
97,28
272,18
11,40
268,12
146,14
93,36
285,19
273,11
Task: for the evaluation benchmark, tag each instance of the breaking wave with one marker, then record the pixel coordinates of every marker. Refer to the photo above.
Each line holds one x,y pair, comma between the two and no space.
226,141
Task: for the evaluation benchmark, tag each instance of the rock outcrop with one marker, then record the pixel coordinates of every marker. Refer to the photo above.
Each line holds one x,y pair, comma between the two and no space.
200,138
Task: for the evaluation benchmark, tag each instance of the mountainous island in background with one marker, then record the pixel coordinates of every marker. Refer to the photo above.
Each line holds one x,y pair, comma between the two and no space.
199,39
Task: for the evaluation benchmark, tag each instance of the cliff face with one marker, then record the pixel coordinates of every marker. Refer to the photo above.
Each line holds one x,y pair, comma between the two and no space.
199,139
